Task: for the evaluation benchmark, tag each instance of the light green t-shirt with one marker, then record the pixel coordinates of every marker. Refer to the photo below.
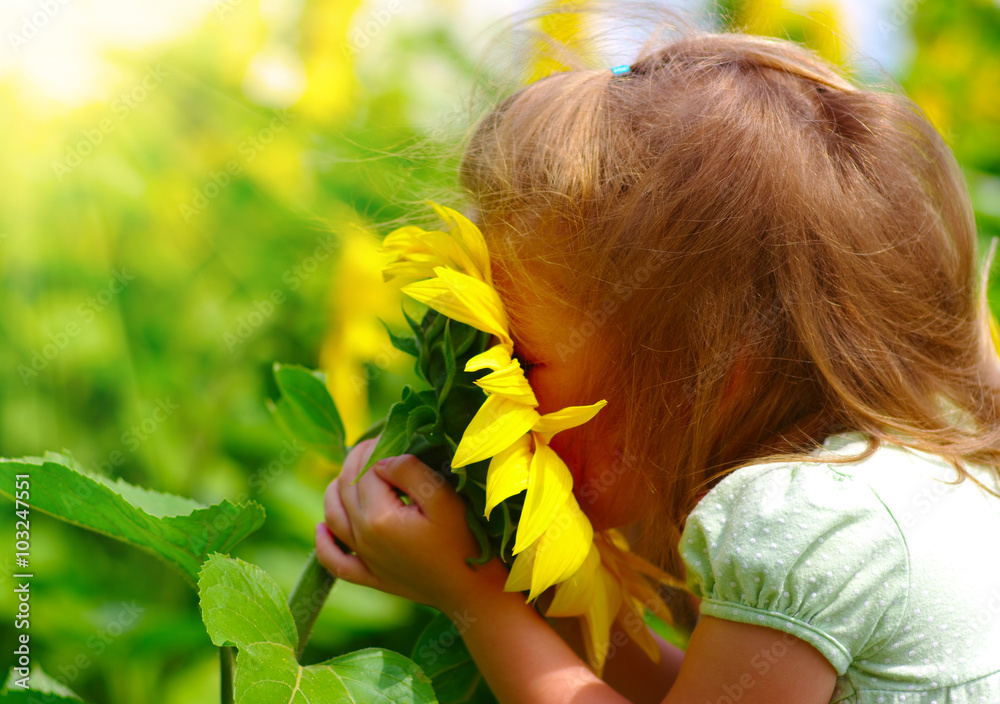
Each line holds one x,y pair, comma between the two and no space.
891,573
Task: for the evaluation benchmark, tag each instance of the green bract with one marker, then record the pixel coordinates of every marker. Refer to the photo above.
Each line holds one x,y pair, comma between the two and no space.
427,423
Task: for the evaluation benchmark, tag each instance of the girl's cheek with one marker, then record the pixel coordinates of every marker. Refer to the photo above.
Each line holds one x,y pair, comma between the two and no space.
566,446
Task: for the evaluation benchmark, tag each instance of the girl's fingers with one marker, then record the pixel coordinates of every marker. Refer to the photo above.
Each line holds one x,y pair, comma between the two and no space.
347,488
356,459
376,498
336,515
339,563
423,485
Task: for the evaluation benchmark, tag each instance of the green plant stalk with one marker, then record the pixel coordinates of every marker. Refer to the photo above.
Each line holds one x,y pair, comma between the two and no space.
308,597
226,674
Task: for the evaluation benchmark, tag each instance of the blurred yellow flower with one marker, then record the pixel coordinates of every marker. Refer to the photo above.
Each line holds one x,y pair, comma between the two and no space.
597,579
356,343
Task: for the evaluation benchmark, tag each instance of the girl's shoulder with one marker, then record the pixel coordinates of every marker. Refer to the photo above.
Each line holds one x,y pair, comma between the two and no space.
896,482
846,556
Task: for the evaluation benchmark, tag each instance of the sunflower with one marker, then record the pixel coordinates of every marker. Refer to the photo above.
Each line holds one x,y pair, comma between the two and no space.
596,577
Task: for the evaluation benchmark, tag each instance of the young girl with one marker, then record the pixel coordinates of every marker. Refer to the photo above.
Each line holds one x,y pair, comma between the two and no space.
770,274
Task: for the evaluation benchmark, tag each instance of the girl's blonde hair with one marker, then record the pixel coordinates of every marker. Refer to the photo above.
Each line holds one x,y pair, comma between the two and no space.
765,251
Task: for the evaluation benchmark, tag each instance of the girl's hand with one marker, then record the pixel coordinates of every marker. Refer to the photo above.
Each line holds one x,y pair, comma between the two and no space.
416,550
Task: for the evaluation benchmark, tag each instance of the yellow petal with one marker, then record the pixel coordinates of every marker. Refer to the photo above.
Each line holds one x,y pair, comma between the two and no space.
508,473
575,596
464,299
612,538
495,357
550,484
404,240
616,551
519,579
508,378
451,253
562,548
509,382
634,621
599,619
413,259
643,567
422,257
470,236
498,423
413,271
569,417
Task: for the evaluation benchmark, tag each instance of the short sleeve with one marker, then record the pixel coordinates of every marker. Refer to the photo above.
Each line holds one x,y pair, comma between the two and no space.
803,549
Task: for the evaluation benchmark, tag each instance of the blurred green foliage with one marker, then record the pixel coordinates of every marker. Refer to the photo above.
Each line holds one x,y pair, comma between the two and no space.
161,246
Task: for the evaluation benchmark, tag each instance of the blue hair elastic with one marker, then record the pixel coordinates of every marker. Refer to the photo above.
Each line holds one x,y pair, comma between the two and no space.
619,70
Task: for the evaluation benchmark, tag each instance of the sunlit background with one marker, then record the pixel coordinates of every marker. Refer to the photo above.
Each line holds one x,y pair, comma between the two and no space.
193,189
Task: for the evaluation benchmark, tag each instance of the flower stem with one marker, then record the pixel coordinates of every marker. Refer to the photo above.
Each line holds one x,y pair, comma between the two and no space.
226,670
308,597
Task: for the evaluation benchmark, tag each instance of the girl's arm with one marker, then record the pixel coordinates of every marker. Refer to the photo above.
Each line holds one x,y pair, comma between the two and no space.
628,669
418,550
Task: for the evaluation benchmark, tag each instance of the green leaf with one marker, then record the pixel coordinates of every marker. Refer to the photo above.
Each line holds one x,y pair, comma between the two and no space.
507,534
267,673
463,403
433,324
307,411
43,689
30,696
442,655
374,430
421,419
416,327
674,635
418,332
179,531
463,336
403,344
291,423
242,605
448,350
479,532
395,438
377,675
